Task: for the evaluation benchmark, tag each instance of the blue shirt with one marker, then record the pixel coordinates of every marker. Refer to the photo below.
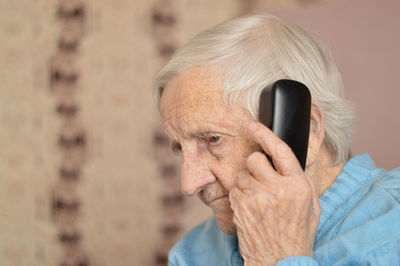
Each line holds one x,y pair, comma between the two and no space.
359,225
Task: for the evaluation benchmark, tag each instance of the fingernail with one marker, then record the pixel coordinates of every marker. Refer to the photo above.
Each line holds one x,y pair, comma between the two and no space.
253,126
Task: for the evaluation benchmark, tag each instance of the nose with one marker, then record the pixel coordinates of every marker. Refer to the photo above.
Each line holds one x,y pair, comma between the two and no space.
195,174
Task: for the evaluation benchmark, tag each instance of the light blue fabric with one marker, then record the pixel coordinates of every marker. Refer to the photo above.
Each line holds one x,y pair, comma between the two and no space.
359,225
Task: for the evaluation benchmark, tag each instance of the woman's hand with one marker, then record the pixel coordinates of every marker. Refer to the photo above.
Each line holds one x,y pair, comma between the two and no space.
276,212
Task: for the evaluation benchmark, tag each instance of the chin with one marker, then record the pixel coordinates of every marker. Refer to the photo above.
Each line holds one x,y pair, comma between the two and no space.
225,222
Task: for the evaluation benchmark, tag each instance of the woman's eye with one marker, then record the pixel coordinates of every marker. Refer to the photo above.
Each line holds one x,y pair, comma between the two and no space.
214,139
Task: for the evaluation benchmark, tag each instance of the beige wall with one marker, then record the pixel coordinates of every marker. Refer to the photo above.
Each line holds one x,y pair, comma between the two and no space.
120,186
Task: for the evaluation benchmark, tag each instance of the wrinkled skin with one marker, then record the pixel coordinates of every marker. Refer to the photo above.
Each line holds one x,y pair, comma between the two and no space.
274,212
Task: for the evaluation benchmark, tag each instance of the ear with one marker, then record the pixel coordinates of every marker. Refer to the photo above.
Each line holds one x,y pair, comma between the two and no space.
317,134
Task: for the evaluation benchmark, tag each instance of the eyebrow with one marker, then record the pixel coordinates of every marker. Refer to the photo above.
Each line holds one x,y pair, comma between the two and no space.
199,133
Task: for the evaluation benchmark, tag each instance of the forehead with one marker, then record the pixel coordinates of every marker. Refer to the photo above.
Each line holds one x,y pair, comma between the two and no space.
195,97
195,85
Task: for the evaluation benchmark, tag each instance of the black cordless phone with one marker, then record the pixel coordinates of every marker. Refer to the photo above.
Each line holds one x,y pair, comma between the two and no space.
285,108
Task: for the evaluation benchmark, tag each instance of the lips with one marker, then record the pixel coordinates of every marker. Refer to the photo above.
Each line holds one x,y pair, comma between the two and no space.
212,193
211,200
221,197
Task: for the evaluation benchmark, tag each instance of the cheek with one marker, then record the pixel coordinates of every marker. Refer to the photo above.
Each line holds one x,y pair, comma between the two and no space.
202,148
232,163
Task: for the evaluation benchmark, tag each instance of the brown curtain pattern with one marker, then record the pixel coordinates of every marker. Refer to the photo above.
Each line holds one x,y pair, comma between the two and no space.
64,85
164,19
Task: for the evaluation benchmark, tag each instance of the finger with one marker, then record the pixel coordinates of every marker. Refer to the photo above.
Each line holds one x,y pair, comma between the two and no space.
246,181
282,156
234,197
259,166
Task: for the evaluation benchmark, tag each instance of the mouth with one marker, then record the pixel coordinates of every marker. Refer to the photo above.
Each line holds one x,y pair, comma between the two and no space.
217,198
212,193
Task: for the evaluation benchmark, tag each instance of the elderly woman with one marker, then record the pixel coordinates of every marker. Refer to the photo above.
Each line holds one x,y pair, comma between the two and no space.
338,211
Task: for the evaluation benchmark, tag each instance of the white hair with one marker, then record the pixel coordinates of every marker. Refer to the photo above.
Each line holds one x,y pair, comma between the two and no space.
254,51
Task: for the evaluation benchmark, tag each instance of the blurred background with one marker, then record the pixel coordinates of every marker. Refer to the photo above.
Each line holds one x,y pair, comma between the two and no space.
86,176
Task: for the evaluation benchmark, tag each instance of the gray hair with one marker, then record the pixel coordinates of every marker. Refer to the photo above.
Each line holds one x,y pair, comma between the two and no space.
254,51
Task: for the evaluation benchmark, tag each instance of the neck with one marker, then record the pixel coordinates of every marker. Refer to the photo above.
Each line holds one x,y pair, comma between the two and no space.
322,171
